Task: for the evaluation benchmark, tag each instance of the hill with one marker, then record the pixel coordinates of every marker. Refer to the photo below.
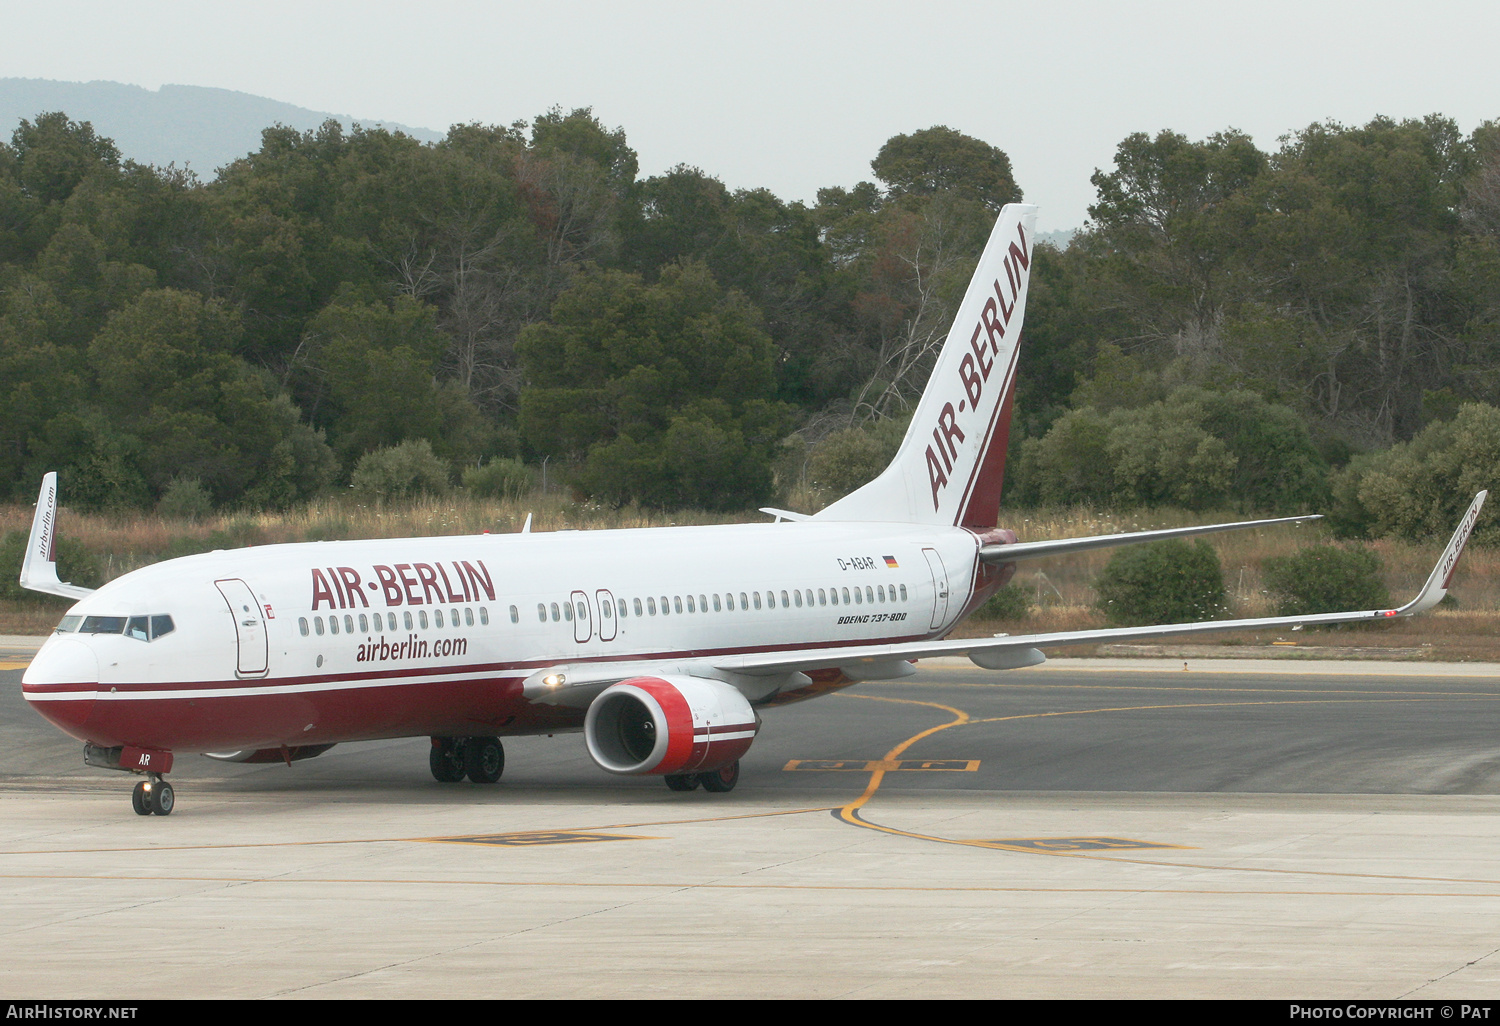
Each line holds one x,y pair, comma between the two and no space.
192,126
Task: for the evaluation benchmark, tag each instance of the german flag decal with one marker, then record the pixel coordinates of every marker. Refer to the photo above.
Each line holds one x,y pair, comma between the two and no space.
890,562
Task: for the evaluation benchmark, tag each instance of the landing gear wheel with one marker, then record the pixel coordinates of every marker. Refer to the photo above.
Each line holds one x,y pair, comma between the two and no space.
162,798
721,780
682,781
139,801
484,759
447,759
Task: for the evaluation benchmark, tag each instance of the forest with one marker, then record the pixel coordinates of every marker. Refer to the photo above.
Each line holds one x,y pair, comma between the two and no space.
1314,327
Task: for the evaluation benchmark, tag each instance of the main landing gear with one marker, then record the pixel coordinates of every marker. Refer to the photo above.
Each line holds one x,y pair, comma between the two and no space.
153,796
481,759
719,781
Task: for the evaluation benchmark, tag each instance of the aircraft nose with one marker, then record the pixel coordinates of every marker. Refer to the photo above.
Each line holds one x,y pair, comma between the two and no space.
62,661
61,683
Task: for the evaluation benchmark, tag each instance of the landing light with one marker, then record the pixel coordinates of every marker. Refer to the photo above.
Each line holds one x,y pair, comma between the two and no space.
555,680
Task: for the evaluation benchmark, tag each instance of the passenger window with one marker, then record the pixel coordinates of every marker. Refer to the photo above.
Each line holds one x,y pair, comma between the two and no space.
556,613
677,603
729,601
608,610
846,596
858,598
567,611
318,625
880,592
666,607
784,601
757,598
364,624
422,616
484,615
541,612
406,619
822,597
302,625
583,611
333,625
798,595
437,617
651,605
903,593
621,607
833,596
691,608
717,607
390,620
348,623
702,603
746,605
638,607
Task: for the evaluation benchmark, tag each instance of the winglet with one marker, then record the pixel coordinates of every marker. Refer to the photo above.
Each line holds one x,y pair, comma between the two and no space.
1442,575
39,567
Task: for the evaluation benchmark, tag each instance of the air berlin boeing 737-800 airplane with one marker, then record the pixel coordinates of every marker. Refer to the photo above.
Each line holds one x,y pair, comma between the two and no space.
658,644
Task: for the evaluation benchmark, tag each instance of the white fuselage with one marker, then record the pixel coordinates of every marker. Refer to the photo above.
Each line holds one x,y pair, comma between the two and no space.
355,640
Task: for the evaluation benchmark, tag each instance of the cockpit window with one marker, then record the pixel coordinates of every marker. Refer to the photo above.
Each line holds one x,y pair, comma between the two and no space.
141,628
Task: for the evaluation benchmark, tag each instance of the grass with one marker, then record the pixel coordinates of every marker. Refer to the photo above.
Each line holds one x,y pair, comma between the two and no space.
1062,587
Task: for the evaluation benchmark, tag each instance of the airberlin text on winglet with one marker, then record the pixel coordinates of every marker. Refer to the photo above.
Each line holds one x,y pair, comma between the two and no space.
975,368
410,584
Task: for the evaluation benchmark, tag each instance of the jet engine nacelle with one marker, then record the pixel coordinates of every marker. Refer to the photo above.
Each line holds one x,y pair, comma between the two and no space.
669,725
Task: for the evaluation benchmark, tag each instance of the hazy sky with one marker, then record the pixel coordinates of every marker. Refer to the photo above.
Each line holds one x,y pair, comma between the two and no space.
794,96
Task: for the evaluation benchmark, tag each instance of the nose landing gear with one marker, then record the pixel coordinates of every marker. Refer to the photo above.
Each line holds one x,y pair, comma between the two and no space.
153,796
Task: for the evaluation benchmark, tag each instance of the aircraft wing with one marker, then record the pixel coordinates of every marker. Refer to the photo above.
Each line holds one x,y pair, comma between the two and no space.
1012,651
1066,546
39,567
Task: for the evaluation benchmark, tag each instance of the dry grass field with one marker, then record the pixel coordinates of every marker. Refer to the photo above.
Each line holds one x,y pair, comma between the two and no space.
1062,590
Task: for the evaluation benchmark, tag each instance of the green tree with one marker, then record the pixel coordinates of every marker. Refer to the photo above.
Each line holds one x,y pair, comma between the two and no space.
179,403
1163,582
54,155
662,392
1419,489
1326,579
938,159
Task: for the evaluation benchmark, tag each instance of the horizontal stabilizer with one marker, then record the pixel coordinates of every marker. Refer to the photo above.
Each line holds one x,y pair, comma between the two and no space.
1067,546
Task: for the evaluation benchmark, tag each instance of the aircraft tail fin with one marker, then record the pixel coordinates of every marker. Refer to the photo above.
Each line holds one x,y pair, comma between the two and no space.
39,567
949,468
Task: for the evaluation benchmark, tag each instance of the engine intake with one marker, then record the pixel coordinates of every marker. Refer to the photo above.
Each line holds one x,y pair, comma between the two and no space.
668,725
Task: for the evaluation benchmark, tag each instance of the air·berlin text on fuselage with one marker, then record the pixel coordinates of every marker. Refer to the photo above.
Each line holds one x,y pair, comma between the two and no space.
402,584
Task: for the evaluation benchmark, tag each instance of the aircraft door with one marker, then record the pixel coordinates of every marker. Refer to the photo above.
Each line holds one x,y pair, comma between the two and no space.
939,587
583,628
249,627
607,625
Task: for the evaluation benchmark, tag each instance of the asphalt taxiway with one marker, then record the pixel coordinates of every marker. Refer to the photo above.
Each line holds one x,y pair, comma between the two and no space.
1083,829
